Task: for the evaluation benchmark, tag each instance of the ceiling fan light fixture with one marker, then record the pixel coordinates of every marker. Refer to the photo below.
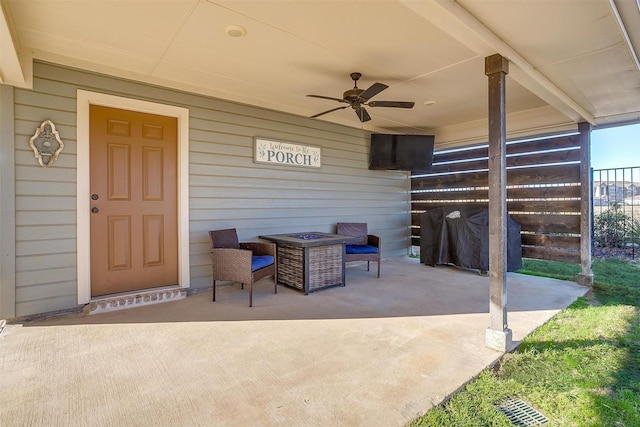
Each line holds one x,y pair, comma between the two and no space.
359,98
235,31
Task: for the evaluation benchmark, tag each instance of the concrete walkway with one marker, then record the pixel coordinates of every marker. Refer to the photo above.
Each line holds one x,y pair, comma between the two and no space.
378,352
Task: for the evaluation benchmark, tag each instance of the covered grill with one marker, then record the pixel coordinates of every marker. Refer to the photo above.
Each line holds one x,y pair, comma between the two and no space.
459,235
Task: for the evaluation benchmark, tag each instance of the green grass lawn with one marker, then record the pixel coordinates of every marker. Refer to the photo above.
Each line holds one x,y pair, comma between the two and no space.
582,368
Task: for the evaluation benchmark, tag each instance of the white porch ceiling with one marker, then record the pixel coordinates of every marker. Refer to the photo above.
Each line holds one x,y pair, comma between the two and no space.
570,60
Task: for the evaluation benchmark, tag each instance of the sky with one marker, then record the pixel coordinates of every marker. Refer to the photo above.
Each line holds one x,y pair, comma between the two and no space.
617,147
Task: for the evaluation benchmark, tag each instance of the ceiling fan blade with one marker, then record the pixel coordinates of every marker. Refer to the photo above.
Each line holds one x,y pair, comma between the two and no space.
396,104
373,90
327,97
328,111
362,114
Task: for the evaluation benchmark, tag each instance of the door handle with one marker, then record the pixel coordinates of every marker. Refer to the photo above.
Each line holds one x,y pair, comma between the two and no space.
95,210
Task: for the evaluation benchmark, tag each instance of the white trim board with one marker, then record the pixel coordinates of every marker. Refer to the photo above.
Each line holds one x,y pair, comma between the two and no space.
84,100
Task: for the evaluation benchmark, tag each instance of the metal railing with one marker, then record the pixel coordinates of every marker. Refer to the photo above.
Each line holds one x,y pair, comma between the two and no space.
616,213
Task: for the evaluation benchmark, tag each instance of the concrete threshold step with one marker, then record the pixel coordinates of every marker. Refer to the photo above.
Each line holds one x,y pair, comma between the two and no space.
135,299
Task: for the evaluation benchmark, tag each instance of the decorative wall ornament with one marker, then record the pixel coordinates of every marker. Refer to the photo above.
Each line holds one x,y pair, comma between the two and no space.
46,144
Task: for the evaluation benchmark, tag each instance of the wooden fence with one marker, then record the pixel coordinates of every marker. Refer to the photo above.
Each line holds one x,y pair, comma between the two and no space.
543,191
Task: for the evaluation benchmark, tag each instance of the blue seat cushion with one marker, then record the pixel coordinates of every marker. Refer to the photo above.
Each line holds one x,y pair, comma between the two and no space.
361,249
260,261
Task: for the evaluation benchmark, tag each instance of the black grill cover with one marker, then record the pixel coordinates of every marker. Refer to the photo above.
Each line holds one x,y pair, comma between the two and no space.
459,235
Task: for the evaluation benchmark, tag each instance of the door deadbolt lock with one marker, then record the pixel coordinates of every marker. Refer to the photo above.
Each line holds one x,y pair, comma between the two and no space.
94,197
95,210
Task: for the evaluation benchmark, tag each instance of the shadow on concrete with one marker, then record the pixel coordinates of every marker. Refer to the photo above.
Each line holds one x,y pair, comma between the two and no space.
375,352
406,288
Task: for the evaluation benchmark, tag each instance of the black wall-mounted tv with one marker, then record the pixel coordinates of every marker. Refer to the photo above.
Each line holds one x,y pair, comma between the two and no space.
401,152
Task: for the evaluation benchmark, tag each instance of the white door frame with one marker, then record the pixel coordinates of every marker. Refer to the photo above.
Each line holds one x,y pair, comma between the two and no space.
83,196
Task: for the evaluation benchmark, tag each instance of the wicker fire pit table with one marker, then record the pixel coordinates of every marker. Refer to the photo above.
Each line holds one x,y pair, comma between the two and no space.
310,261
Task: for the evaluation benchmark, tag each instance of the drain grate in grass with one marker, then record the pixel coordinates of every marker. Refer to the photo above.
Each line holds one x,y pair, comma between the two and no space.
521,414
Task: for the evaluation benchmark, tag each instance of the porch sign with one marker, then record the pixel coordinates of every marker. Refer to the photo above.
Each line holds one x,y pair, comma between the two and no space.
283,153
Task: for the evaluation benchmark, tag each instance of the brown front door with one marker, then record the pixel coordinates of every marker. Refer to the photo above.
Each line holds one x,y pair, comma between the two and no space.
134,229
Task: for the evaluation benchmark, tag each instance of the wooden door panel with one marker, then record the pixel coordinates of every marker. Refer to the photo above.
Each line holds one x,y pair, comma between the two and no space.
152,173
134,231
118,127
119,172
153,240
119,242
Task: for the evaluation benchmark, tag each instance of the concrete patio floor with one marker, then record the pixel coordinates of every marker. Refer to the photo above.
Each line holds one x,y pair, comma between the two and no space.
376,352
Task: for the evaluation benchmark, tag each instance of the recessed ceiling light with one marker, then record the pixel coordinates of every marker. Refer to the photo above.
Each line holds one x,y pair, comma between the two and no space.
235,31
429,103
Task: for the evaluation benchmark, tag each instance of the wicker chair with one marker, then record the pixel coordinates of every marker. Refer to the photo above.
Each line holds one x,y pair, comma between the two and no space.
367,247
245,262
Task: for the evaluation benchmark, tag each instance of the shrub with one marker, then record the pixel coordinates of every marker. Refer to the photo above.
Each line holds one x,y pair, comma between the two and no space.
614,228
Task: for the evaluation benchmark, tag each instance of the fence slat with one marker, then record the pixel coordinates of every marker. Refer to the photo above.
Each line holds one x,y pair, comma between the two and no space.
551,206
564,191
569,242
537,159
452,195
512,148
549,223
557,174
551,254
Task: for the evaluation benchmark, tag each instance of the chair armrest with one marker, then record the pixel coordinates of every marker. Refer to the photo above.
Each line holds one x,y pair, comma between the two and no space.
260,248
238,258
373,240
231,264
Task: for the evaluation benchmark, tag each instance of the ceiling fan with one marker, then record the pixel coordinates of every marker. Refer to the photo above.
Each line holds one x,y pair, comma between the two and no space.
357,99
